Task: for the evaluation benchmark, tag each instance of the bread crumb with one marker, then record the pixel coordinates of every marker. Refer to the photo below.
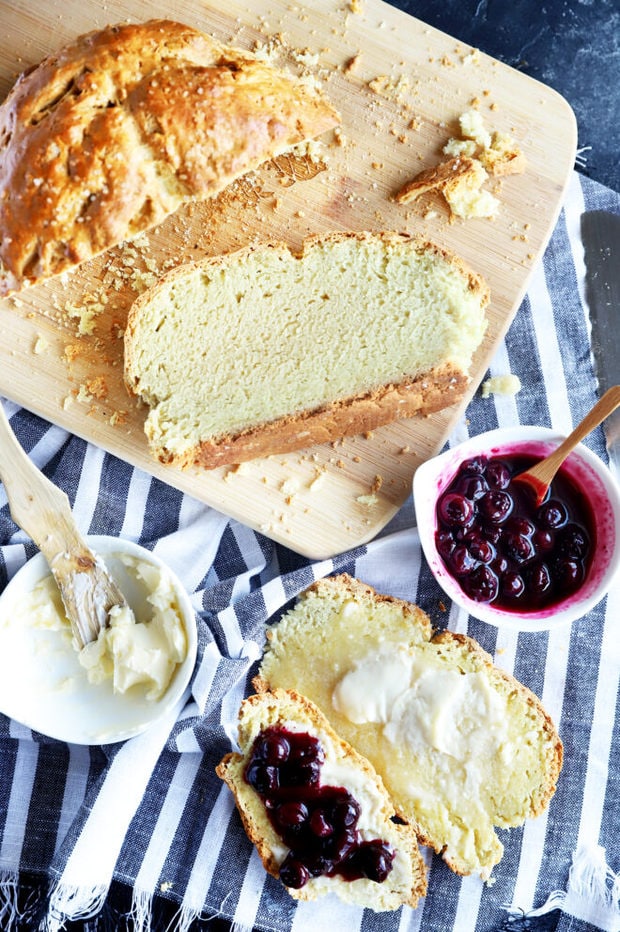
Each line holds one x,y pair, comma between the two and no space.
40,345
352,63
289,487
97,387
318,481
368,500
118,417
501,385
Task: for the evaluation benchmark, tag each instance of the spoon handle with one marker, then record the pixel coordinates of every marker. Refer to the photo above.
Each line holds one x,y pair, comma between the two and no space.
548,467
43,511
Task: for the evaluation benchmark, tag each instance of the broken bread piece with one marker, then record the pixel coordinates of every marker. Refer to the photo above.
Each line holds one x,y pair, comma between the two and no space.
461,746
114,132
317,812
266,350
475,155
460,181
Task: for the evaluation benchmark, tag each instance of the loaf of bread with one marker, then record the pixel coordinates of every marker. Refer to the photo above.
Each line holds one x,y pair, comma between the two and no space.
265,350
343,839
461,746
113,133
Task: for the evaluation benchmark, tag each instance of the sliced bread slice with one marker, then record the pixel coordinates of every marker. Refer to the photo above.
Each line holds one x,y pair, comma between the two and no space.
264,350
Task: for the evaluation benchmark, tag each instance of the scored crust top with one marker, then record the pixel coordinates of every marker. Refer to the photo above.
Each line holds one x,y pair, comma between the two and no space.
106,138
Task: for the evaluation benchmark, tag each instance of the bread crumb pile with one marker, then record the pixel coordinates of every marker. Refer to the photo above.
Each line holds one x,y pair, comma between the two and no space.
474,156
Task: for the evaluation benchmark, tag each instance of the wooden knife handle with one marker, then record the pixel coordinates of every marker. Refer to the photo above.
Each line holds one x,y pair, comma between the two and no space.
38,506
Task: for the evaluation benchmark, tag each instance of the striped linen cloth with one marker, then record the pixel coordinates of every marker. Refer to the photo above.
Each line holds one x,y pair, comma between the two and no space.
150,813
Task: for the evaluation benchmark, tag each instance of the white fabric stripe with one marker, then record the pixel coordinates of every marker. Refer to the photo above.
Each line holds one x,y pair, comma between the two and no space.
10,408
87,491
458,620
250,893
273,595
14,556
231,703
232,631
534,830
75,788
208,853
18,801
204,676
168,821
600,749
328,912
573,209
137,496
470,894
505,405
120,795
506,649
189,551
392,564
550,352
460,433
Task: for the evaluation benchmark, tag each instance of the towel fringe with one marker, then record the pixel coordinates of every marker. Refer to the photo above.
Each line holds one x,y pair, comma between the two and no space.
70,903
592,894
10,914
141,912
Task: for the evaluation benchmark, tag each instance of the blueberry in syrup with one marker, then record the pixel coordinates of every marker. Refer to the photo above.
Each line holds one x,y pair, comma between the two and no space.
319,824
504,549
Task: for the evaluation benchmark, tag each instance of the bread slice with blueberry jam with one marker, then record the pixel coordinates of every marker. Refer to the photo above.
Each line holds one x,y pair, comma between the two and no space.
316,810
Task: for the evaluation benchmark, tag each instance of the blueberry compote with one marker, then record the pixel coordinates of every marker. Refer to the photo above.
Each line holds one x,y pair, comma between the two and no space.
317,823
503,548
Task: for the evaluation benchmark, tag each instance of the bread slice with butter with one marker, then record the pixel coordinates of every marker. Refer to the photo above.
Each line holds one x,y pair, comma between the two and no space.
462,747
344,770
287,350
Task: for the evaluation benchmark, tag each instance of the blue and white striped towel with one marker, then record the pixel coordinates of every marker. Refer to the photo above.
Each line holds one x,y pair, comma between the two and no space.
150,815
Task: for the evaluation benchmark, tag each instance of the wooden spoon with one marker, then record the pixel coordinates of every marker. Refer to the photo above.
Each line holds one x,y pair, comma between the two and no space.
42,510
538,477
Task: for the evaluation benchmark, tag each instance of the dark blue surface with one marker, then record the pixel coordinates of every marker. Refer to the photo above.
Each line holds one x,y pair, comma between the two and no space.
571,45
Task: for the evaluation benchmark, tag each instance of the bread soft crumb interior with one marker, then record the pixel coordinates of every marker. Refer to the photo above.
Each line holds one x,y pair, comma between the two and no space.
262,334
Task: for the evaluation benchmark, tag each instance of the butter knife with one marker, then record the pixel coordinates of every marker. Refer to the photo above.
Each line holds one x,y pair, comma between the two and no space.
600,233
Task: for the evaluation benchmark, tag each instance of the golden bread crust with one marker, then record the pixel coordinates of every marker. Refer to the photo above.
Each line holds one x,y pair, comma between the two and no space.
106,138
420,397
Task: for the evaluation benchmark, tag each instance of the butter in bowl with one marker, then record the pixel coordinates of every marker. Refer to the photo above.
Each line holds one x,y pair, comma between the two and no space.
116,686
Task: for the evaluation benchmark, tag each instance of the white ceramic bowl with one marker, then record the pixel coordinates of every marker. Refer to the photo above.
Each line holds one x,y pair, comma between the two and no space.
585,470
43,685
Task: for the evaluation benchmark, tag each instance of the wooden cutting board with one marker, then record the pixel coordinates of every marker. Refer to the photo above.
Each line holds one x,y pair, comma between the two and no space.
400,98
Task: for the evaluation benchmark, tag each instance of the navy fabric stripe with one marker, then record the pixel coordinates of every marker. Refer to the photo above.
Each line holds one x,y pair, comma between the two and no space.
161,514
109,513
45,805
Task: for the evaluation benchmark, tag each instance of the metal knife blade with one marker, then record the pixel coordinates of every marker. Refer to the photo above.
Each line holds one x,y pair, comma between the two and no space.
600,233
